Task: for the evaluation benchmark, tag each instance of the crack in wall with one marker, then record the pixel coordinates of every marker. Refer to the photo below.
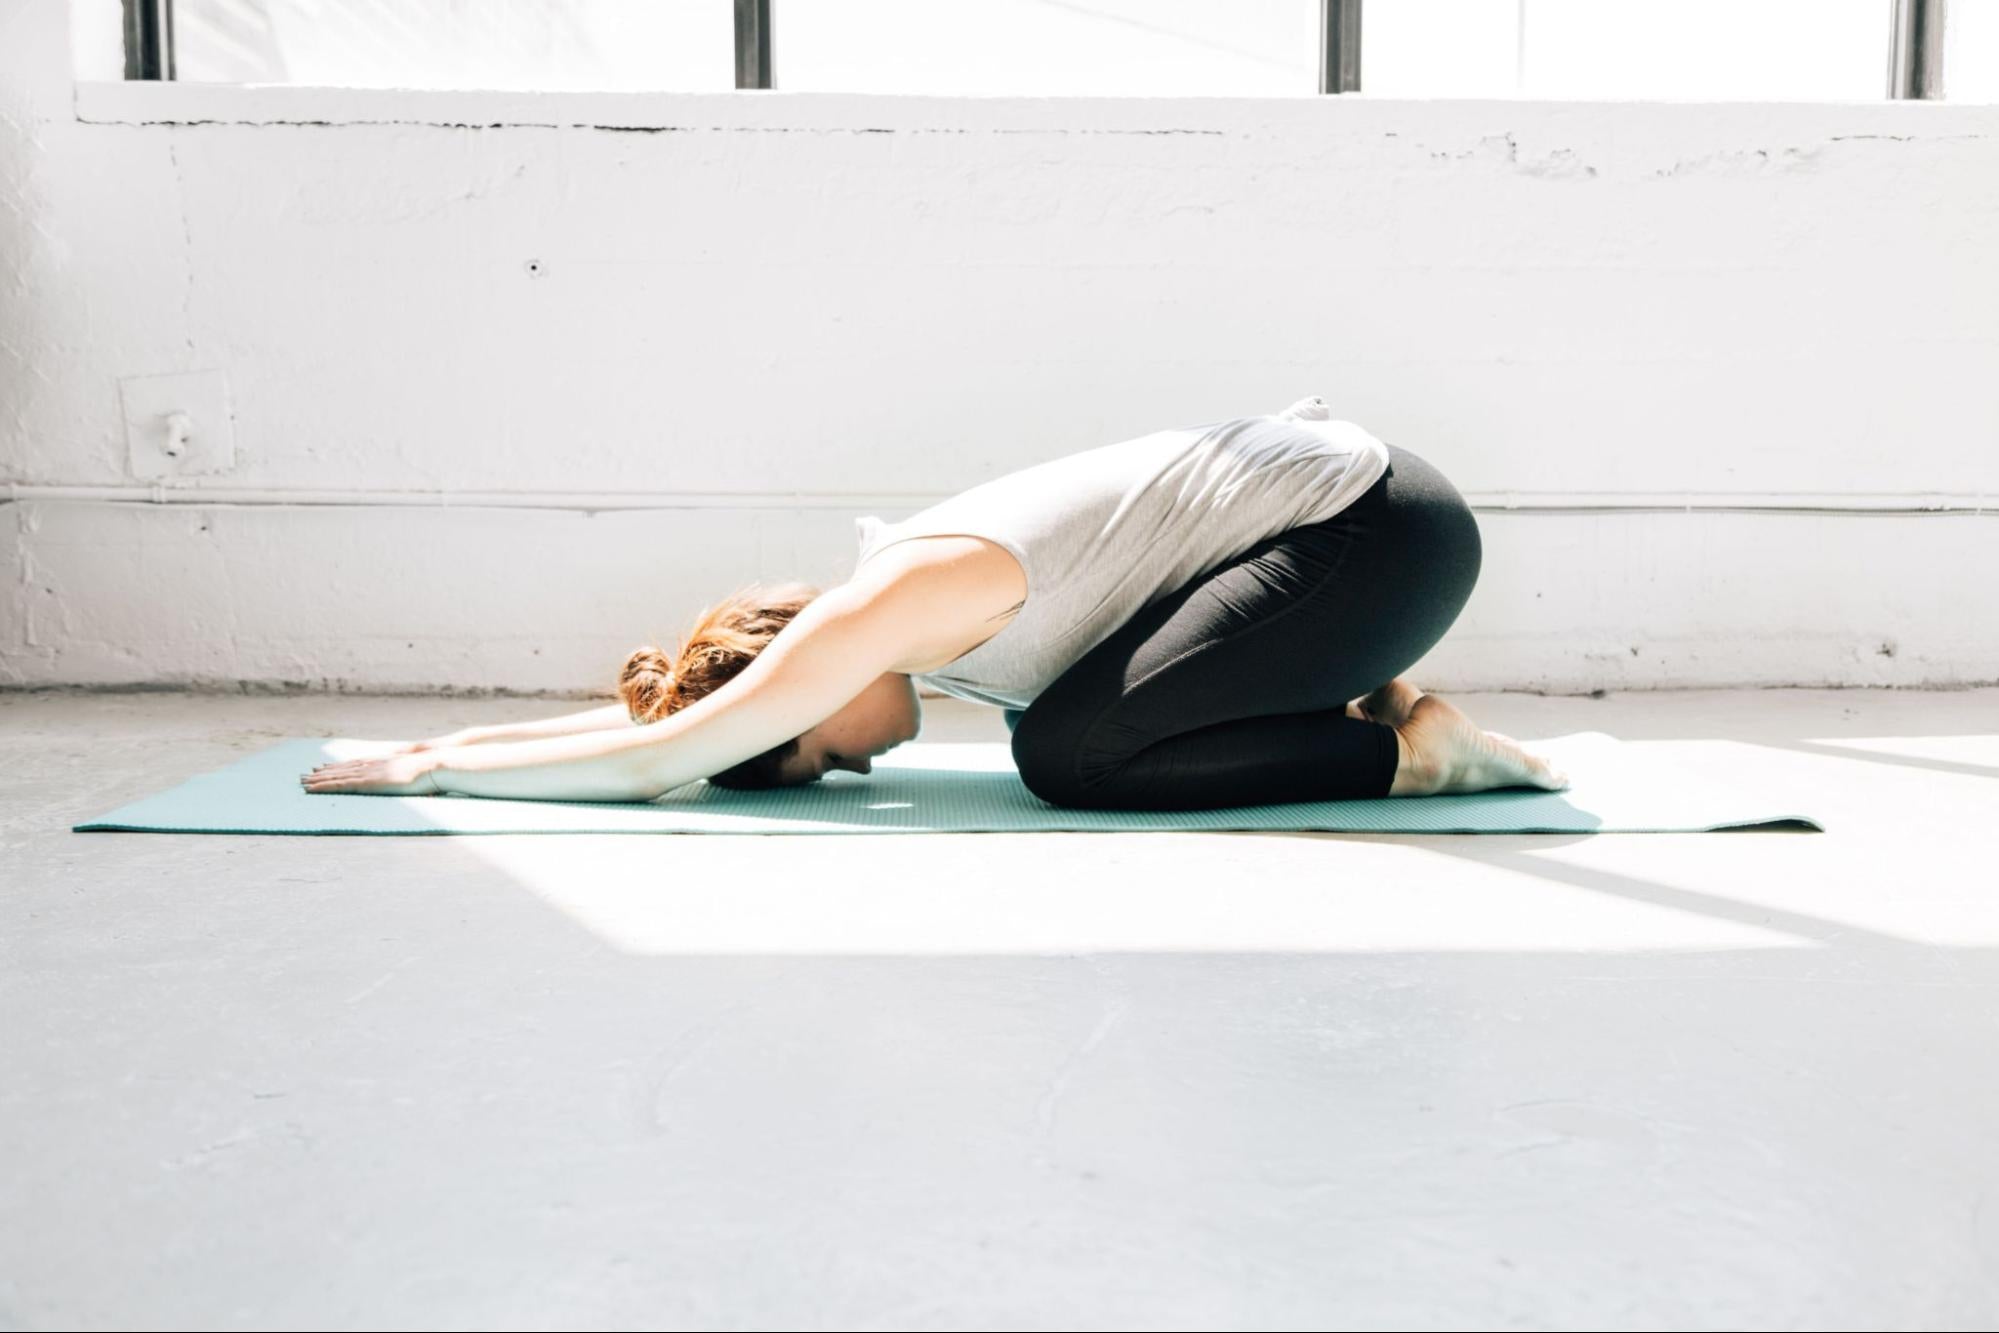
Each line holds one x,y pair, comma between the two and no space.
1755,161
654,129
187,251
434,123
1558,164
1911,138
1760,161
26,520
1561,164
1564,163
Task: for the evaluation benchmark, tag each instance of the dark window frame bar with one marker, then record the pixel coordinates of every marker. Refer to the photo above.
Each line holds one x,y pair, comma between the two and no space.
753,67
1339,46
149,39
1915,50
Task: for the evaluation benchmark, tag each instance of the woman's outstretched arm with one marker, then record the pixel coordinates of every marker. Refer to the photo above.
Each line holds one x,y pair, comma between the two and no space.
886,619
610,717
831,651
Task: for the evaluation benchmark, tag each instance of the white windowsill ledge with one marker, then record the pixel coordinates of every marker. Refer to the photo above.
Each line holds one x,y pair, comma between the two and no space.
137,102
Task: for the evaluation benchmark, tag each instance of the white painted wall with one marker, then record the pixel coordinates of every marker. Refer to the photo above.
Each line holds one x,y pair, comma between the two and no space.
515,382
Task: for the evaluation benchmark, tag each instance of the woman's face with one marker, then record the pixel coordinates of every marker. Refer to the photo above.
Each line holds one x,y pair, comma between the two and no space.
875,721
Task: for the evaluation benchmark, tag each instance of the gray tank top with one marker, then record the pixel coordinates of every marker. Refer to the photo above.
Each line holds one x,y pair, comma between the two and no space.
1103,533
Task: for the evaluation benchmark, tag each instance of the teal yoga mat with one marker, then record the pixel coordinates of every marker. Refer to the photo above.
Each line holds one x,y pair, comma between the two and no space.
949,787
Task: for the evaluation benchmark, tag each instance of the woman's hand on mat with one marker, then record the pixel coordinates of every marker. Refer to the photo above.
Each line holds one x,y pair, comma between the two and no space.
381,775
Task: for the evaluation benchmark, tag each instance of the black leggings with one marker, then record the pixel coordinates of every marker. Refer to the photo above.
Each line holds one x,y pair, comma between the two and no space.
1233,689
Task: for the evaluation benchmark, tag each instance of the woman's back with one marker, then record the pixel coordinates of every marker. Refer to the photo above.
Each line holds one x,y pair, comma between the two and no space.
1102,533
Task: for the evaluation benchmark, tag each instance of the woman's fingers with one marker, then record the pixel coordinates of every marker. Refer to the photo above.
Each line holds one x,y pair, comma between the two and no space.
398,775
333,774
345,766
346,783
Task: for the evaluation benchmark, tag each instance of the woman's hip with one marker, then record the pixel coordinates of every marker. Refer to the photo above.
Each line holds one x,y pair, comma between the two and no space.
1412,524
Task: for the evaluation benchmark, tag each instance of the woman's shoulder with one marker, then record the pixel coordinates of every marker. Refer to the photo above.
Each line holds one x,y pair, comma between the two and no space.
943,594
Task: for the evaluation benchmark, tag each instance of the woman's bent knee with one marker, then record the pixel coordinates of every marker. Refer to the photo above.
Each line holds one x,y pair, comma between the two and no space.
1045,757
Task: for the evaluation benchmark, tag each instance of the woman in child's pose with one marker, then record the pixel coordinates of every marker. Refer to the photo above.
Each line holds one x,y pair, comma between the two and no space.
1210,616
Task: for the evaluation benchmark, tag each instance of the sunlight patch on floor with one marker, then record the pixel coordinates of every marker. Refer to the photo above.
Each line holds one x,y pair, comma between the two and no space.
719,895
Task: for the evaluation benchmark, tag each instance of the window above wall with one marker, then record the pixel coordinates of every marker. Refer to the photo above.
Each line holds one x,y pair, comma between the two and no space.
1728,50
1731,50
513,45
1971,51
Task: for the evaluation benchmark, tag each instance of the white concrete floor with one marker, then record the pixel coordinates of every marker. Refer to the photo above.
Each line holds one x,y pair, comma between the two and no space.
1234,1080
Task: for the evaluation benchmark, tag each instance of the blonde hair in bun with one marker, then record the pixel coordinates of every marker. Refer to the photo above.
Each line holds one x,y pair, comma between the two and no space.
724,639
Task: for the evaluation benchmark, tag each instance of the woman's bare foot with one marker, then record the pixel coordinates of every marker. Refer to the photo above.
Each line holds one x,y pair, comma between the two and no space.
1388,705
1443,752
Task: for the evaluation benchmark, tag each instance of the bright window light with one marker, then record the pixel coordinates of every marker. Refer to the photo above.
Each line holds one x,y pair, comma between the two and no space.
1727,50
1793,50
1971,51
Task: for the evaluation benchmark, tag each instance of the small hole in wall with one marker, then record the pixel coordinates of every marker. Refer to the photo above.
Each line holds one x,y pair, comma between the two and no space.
534,268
